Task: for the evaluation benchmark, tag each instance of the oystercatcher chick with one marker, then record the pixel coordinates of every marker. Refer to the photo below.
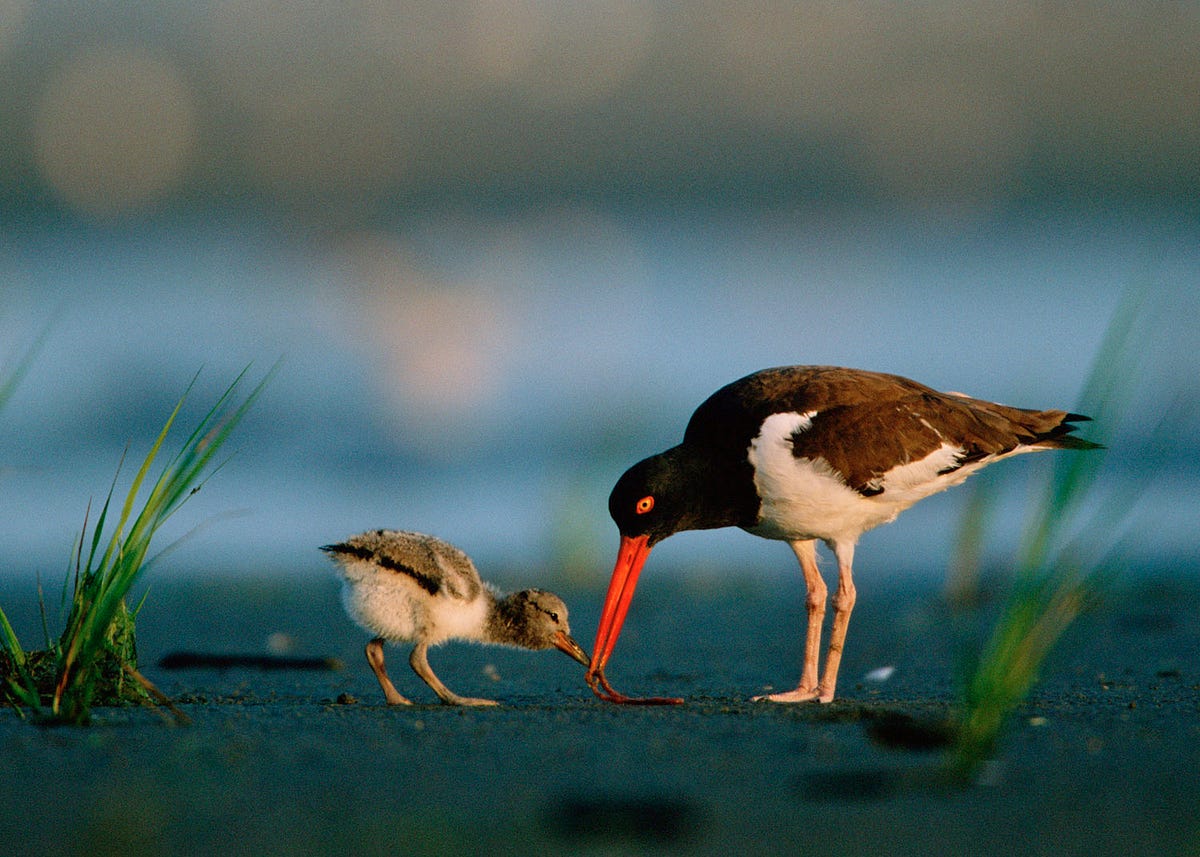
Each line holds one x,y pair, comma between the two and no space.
410,587
805,454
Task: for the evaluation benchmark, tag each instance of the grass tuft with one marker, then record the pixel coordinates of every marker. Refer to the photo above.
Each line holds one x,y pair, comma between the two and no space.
1065,561
11,376
95,658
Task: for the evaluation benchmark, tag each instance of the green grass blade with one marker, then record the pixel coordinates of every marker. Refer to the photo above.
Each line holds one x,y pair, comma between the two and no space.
140,476
19,681
12,645
11,379
1106,393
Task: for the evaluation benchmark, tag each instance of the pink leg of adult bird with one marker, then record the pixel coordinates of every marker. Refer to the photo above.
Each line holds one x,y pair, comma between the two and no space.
806,552
843,604
375,659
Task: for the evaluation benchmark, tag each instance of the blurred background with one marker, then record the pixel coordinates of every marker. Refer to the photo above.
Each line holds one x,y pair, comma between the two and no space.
503,249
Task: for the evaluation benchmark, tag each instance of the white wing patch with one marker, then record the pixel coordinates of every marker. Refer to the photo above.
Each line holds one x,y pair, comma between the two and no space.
916,474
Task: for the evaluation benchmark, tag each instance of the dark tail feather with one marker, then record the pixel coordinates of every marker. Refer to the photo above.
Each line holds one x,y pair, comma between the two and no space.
1059,437
1069,441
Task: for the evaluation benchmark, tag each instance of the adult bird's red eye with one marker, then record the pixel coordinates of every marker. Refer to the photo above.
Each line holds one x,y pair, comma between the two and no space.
645,504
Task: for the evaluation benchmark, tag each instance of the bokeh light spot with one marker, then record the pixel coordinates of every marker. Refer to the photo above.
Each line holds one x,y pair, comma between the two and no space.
114,131
443,348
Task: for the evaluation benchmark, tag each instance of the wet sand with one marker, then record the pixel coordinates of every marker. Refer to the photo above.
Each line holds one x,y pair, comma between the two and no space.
1102,759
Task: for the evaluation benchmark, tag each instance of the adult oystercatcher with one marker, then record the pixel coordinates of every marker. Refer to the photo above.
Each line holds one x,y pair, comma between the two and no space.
807,453
404,586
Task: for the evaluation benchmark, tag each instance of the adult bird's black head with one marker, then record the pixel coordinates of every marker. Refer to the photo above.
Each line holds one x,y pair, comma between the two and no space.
649,500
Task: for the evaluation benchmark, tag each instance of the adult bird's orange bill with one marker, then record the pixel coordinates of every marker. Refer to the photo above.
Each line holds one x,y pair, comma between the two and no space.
805,454
630,559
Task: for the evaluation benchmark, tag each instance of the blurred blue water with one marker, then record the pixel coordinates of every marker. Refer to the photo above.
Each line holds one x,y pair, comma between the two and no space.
486,377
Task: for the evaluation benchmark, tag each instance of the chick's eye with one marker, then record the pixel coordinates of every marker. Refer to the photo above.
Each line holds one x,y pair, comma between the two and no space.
554,617
645,504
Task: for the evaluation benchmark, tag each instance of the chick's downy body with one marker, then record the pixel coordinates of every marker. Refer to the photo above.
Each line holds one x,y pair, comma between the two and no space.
411,587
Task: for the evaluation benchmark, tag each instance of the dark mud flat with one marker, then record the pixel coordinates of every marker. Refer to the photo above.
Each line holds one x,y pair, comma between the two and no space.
1103,759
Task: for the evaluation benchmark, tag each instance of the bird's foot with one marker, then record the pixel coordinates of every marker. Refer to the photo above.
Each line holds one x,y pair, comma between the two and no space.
467,700
800,694
600,686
